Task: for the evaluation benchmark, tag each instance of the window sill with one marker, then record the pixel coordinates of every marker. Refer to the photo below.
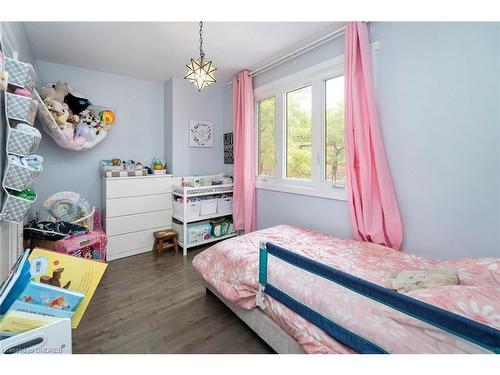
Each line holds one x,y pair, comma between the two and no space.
312,191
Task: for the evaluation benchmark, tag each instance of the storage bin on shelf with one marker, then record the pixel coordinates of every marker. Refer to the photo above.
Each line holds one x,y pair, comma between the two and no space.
15,208
21,108
20,74
225,205
208,206
193,210
197,232
23,140
19,177
178,228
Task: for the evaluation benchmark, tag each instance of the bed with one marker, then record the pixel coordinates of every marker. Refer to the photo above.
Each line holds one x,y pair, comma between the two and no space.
230,269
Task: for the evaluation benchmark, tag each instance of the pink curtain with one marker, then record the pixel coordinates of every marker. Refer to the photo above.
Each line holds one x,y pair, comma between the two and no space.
244,153
372,201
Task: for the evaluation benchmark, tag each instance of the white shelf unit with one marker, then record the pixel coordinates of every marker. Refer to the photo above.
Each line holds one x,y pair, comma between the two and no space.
186,192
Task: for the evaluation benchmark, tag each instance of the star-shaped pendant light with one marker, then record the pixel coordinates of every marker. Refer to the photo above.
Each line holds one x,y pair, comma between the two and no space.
200,72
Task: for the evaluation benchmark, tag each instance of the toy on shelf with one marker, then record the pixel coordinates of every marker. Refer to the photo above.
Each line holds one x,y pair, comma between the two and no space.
71,119
159,166
117,168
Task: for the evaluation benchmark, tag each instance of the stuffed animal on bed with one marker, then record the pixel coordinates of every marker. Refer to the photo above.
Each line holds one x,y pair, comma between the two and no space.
408,280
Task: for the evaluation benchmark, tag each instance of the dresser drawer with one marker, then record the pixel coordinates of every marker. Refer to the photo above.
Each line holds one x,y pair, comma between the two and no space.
138,205
140,222
131,243
137,186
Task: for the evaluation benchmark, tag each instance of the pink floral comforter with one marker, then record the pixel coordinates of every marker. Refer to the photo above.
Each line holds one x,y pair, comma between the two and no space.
231,267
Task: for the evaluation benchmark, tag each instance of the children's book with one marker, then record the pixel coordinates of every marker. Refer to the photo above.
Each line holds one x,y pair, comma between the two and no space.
15,322
17,279
73,273
50,296
40,309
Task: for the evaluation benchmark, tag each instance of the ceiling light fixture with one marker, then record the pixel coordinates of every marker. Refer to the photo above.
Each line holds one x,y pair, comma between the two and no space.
200,72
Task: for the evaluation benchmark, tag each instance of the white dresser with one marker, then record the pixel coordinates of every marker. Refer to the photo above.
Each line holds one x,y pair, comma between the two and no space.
134,208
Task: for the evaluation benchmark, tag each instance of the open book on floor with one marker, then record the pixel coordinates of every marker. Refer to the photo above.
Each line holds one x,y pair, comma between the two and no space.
45,299
75,274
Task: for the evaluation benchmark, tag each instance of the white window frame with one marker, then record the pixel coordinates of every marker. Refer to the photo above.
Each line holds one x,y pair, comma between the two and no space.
317,186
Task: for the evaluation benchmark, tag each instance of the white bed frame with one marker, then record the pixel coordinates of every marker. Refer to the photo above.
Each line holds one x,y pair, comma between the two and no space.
262,325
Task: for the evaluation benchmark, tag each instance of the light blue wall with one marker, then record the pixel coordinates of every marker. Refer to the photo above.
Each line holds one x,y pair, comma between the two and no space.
138,133
438,95
189,104
440,115
169,157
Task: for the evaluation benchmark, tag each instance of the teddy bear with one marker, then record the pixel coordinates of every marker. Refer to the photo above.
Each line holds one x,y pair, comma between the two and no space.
57,111
57,92
72,119
408,280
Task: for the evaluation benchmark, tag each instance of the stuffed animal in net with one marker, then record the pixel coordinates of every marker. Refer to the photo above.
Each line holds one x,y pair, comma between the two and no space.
77,104
56,92
90,129
57,111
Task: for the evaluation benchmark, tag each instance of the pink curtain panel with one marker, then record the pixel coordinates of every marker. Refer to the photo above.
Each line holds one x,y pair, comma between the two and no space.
372,201
244,153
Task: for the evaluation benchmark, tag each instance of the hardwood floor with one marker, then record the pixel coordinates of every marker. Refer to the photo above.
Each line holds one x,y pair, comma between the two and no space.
147,304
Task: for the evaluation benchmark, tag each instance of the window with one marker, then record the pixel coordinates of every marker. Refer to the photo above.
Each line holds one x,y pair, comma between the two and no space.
266,123
299,133
334,131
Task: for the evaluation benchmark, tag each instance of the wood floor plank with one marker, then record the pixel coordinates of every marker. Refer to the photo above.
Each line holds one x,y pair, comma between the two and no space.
148,304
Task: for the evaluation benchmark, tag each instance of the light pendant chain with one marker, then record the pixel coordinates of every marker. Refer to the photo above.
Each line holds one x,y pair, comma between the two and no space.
202,54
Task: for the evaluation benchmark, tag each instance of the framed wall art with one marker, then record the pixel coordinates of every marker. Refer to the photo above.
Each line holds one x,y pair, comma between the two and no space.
201,133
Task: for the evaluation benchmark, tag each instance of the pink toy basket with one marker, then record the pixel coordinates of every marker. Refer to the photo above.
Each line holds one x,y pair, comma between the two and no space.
91,245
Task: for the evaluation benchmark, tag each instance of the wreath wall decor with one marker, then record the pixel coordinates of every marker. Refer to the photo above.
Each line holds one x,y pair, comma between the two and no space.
201,134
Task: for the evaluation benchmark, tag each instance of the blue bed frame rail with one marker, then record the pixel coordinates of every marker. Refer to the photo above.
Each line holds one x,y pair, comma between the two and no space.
457,325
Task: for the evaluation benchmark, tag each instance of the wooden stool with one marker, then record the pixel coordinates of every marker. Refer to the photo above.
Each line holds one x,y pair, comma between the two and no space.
165,239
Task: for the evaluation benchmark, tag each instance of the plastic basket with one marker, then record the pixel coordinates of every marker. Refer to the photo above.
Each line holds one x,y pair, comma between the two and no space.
20,74
15,208
87,221
225,205
208,207
21,108
193,210
18,177
22,141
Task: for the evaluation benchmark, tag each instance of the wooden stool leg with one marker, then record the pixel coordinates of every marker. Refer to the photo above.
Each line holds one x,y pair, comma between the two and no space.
160,248
176,246
155,250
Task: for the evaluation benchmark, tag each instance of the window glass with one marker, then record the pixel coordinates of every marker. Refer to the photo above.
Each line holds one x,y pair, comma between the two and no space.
299,133
334,131
266,125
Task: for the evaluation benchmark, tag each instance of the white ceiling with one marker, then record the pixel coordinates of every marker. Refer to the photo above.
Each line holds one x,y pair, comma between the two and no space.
158,51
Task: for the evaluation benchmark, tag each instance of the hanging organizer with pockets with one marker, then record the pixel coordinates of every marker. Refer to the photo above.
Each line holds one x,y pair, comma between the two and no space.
22,140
